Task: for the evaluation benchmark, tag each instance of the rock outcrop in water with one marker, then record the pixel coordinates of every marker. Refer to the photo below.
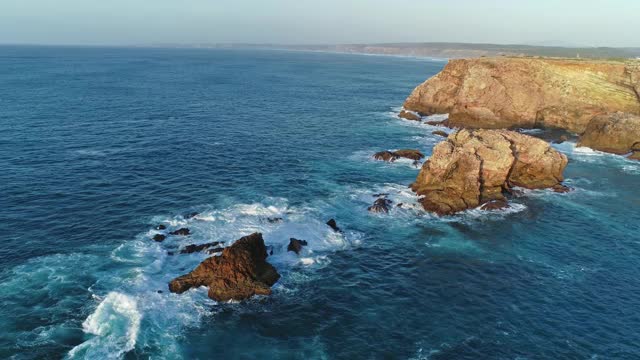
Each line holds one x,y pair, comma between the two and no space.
392,156
528,92
239,273
408,115
617,133
474,167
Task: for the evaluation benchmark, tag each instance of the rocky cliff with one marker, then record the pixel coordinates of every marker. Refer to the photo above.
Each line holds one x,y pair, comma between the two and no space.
475,167
529,92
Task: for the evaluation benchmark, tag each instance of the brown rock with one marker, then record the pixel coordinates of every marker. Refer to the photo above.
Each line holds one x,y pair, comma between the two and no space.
561,188
159,237
181,232
239,273
494,205
296,245
438,123
380,206
616,133
440,133
199,247
561,139
408,115
634,156
471,168
385,156
392,156
526,92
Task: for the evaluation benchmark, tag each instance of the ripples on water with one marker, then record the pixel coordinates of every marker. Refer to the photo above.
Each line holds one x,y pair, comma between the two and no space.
99,145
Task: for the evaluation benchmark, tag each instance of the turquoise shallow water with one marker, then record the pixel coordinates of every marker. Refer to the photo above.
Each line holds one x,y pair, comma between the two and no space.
97,145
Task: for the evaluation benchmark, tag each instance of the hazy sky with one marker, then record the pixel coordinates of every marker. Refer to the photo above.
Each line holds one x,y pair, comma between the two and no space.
578,22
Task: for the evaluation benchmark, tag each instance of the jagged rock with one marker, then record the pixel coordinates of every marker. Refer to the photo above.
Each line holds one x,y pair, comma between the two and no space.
494,205
159,237
507,92
170,253
198,247
440,133
408,115
239,273
275,220
392,156
296,245
438,123
333,225
616,133
380,206
561,139
471,168
181,232
161,227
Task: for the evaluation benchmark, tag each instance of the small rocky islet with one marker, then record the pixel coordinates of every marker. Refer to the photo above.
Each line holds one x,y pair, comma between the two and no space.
477,165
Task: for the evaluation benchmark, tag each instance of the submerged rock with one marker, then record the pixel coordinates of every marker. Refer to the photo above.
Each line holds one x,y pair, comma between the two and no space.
191,215
392,156
239,273
408,115
507,92
199,247
159,237
181,232
296,245
275,220
380,206
333,225
616,133
471,168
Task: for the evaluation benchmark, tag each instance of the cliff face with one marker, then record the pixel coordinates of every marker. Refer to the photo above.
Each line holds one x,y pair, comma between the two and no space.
527,92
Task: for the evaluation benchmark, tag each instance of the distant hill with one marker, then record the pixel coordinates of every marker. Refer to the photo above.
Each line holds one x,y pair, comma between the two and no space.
460,50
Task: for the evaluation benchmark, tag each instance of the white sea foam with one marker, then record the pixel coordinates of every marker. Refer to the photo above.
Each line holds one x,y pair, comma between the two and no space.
115,324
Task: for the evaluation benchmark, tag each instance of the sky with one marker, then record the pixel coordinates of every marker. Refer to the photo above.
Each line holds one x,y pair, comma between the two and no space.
154,22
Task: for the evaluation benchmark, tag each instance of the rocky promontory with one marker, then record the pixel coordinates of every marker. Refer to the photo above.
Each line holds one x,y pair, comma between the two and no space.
513,92
474,167
617,133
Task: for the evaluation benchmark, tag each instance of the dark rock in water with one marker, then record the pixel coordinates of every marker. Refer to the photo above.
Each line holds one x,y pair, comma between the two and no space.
409,154
561,139
197,248
270,250
400,205
409,115
160,291
391,156
239,273
160,227
215,250
561,188
296,245
440,133
385,156
181,232
170,253
332,224
380,205
381,194
495,205
191,215
275,220
159,237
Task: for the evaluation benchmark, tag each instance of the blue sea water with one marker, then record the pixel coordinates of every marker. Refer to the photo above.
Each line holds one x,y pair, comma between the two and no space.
99,145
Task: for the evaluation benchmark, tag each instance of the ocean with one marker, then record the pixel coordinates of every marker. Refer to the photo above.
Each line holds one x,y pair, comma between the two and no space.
100,145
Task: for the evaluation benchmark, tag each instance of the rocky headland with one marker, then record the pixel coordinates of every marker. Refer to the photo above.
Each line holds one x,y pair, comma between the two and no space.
576,95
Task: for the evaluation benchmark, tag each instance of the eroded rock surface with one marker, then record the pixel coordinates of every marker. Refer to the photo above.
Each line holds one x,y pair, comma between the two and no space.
528,92
473,167
616,133
240,272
